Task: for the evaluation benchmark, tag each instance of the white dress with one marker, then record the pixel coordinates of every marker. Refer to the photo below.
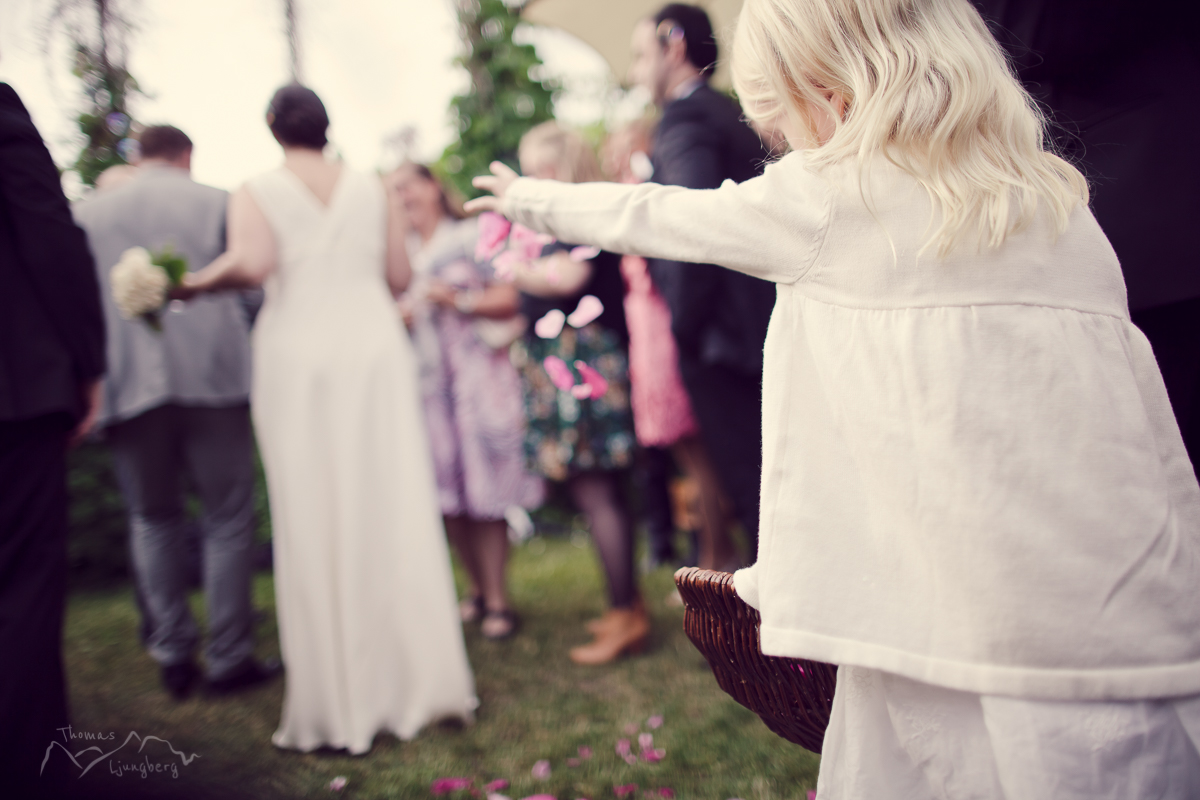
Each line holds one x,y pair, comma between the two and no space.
365,599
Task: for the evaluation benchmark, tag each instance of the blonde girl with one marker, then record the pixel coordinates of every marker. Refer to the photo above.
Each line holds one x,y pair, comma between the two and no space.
975,497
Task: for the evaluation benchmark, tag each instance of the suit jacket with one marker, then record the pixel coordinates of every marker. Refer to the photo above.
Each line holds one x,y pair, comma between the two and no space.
51,326
202,355
1121,79
718,316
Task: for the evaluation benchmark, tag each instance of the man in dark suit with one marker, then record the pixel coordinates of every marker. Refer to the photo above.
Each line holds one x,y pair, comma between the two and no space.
719,317
51,361
1121,82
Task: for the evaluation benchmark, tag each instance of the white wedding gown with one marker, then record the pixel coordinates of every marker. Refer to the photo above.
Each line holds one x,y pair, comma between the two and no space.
364,594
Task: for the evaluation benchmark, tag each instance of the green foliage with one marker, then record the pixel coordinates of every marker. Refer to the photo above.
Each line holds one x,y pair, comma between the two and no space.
97,549
508,94
175,265
98,31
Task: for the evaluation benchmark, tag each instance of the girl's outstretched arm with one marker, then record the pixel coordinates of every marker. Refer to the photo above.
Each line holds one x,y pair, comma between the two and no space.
770,227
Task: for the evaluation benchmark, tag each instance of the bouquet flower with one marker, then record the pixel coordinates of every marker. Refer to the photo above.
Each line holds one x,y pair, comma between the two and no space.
141,280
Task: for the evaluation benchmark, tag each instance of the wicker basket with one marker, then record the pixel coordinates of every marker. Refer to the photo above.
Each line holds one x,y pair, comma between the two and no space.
792,696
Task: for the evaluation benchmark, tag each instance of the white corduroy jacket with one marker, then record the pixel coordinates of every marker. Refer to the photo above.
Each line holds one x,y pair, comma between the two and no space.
972,476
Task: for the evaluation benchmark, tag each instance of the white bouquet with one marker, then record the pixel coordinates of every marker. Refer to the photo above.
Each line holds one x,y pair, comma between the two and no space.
140,282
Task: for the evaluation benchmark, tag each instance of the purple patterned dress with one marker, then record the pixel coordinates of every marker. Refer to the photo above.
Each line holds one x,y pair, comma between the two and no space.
471,392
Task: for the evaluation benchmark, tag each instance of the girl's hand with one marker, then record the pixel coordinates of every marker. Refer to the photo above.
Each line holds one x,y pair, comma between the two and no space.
497,183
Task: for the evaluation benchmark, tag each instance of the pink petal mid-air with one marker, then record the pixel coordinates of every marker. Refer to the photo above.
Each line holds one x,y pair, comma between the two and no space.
447,785
505,265
655,722
496,785
541,770
622,747
812,794
584,253
493,230
338,783
560,374
585,752
593,379
528,243
551,325
646,741
589,308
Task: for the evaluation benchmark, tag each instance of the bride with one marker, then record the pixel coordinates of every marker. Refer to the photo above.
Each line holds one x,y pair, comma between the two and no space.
364,593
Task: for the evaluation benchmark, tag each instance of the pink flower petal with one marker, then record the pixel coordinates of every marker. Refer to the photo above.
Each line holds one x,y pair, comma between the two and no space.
622,747
584,253
528,243
560,374
589,308
581,392
646,741
505,265
447,785
585,752
666,791
655,722
593,379
653,756
540,797
812,794
541,770
496,785
493,230
621,791
551,325
338,783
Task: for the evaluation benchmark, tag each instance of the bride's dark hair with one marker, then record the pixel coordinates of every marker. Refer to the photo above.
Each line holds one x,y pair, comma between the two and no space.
297,117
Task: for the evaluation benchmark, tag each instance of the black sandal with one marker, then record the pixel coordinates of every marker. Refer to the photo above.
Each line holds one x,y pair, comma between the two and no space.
508,617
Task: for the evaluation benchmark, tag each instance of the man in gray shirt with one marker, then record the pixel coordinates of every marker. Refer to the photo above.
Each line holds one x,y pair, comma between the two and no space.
175,406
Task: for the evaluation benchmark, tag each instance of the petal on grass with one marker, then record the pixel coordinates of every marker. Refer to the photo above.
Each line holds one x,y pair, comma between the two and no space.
626,789
338,783
655,722
585,752
541,770
496,785
622,747
646,741
446,785
653,756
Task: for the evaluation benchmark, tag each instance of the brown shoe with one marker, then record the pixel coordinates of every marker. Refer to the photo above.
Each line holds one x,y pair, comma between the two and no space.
595,626
625,634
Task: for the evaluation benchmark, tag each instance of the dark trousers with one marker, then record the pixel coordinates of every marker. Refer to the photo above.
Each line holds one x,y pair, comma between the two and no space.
33,578
653,474
1174,333
214,448
728,407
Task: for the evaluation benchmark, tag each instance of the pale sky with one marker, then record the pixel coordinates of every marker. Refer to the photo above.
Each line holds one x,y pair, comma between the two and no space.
210,66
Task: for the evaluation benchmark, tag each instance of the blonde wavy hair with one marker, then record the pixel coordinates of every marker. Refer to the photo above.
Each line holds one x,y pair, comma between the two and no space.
927,87
573,158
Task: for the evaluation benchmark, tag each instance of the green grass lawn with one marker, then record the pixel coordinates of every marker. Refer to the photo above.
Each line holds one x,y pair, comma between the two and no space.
535,704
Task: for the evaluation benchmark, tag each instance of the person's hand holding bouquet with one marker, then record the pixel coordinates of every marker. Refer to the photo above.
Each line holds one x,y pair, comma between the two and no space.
142,282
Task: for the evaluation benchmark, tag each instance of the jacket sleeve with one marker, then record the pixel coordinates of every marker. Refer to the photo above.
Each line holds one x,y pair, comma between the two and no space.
770,227
52,251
